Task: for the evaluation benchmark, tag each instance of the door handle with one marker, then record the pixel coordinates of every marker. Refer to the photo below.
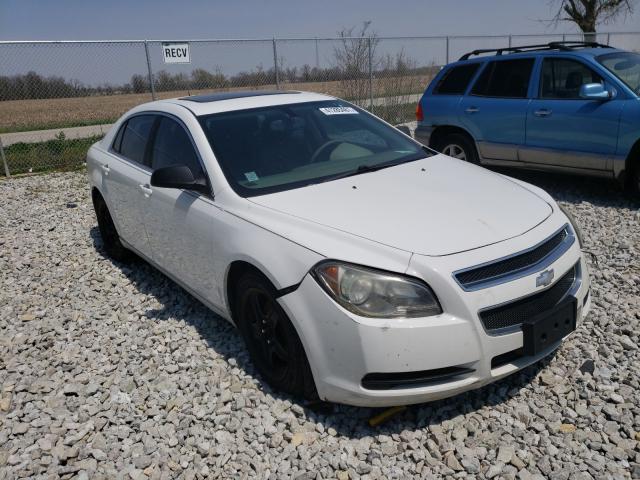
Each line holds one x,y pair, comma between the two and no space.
472,110
105,168
543,112
146,189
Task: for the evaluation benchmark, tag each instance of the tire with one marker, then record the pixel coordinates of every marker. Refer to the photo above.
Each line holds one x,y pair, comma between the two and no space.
271,338
460,146
108,232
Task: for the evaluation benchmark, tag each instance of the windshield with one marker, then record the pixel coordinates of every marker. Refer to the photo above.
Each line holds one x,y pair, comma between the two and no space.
270,149
625,66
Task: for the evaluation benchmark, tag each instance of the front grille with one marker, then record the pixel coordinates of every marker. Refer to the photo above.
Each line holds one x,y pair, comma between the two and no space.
508,266
514,313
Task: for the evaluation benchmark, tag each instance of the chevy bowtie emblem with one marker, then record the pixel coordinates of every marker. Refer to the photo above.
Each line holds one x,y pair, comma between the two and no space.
545,278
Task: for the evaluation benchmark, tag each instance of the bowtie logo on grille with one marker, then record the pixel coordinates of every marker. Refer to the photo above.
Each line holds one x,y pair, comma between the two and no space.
545,278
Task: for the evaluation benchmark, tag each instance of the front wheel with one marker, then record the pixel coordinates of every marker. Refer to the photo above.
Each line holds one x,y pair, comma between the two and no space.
458,146
272,341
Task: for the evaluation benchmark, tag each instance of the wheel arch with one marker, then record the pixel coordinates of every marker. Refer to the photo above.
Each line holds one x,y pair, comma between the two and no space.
235,271
441,131
632,161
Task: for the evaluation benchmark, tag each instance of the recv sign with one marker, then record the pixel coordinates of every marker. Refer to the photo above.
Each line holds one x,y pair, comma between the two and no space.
176,53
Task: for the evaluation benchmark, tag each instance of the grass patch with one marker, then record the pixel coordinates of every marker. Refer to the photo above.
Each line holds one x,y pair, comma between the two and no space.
395,114
57,154
55,125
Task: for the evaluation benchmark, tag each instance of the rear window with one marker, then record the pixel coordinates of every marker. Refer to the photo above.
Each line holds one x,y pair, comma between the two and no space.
135,136
507,78
456,80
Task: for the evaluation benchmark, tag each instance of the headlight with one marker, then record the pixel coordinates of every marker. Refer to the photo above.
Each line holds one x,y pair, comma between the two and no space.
574,225
373,293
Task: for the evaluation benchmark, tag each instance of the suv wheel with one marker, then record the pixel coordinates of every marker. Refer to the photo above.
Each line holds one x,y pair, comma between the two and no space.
271,338
110,238
458,146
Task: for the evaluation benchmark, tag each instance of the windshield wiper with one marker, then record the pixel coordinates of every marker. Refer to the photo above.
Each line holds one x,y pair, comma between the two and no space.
361,169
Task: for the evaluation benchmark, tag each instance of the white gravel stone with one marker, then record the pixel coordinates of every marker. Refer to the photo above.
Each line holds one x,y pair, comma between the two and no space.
113,371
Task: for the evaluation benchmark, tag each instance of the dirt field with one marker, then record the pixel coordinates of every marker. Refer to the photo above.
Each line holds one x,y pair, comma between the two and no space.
26,115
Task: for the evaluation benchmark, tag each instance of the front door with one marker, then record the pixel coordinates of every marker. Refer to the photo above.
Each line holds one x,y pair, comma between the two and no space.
180,223
564,130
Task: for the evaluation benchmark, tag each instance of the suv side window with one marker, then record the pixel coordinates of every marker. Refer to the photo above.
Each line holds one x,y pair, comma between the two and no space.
562,78
135,135
172,146
456,80
506,78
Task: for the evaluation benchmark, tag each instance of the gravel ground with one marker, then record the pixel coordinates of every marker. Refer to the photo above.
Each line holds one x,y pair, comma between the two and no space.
112,371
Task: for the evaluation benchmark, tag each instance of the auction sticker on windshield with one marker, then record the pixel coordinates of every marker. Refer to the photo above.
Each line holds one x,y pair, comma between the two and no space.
337,110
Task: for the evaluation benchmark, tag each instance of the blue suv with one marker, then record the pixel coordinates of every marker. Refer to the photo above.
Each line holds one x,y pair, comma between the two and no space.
563,106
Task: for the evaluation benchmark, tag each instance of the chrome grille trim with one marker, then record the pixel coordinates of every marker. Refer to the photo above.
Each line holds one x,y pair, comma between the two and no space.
539,264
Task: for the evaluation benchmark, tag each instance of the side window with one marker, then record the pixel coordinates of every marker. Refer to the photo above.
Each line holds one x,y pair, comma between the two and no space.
562,78
135,136
172,146
456,80
118,140
506,78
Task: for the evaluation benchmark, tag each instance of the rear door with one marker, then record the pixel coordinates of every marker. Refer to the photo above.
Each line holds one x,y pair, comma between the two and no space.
495,110
565,130
127,176
180,223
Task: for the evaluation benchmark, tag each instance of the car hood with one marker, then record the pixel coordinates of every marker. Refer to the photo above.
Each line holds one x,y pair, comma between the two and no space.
435,206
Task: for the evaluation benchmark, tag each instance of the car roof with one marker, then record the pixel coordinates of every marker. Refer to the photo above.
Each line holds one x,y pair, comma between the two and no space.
217,102
583,52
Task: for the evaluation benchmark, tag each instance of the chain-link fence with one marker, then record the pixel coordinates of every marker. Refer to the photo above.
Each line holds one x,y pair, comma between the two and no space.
57,98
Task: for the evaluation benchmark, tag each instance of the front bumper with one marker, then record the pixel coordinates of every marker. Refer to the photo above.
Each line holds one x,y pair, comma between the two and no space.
343,348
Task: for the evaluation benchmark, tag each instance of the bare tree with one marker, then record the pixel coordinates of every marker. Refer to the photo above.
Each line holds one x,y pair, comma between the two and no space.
588,14
354,55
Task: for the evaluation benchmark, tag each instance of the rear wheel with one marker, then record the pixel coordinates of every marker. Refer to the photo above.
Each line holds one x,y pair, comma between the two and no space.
110,238
272,341
458,146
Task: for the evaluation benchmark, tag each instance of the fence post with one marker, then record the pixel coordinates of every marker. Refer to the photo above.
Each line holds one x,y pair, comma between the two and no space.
317,55
275,63
370,75
149,71
447,54
509,41
564,37
4,160
608,38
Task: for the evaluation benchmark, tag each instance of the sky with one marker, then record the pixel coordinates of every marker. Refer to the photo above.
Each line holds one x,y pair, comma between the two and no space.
162,19
114,64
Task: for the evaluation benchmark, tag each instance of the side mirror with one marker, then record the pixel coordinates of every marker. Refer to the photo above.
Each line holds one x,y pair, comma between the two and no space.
594,91
404,129
178,176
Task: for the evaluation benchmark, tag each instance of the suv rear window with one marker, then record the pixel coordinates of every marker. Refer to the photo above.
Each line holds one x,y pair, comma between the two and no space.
455,81
506,78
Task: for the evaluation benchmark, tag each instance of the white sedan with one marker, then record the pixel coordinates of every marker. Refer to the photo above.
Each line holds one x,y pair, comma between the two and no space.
359,266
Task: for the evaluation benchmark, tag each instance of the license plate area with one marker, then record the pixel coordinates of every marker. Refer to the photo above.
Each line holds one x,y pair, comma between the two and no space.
545,329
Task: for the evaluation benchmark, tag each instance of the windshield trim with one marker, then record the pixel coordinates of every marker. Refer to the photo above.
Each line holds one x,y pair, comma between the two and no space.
604,56
424,152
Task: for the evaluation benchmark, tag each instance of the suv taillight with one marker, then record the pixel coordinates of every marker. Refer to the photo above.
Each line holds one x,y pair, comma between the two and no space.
419,114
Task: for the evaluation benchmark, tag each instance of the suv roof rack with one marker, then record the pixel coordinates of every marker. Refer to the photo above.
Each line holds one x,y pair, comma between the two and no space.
568,45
